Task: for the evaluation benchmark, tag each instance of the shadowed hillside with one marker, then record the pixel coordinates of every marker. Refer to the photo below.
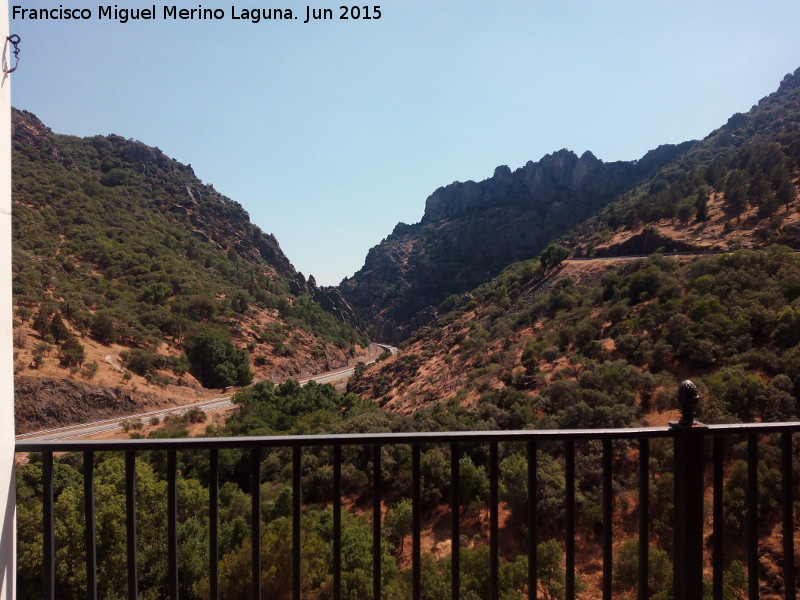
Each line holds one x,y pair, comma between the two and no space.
471,231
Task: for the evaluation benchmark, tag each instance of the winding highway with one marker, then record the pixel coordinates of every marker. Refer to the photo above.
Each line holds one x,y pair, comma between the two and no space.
85,430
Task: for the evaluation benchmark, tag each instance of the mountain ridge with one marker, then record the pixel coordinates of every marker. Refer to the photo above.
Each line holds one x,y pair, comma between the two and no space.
470,231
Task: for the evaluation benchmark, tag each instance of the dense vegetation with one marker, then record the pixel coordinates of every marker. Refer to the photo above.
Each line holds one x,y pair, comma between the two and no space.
759,176
265,409
292,409
729,321
119,242
603,355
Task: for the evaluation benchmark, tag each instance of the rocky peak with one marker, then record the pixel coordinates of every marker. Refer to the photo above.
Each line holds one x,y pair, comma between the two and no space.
790,81
28,130
502,174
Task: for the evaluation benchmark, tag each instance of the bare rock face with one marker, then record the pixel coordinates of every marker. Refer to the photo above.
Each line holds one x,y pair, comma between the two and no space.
41,403
470,231
331,299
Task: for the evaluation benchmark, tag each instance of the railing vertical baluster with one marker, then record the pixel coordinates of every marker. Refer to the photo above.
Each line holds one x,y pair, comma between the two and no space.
213,523
455,529
644,518
790,587
533,505
416,566
494,549
717,550
255,522
91,525
752,516
569,467
130,524
376,522
337,523
296,493
172,523
608,518
49,560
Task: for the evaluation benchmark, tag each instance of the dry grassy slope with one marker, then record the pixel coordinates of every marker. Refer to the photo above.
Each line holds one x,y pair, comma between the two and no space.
308,357
721,231
434,366
112,380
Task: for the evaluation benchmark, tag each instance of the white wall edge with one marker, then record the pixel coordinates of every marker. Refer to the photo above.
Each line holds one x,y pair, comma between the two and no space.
7,481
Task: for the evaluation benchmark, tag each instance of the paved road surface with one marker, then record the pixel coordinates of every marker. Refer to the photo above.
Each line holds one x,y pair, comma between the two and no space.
84,430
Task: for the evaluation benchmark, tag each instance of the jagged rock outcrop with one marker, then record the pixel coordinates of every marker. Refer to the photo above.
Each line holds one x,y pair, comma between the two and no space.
331,299
470,231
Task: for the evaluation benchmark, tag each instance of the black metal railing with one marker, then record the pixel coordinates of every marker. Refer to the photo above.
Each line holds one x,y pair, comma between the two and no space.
693,446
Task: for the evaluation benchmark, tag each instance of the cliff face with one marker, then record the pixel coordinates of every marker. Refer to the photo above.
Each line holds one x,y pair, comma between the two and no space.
43,402
470,231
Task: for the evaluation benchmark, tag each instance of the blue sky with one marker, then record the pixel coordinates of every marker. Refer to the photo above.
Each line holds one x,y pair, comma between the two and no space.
330,132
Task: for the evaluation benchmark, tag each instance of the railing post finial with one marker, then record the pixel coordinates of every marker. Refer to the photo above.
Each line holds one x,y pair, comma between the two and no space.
688,397
689,469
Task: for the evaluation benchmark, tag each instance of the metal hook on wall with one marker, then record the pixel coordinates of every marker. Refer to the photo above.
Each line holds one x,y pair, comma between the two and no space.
14,41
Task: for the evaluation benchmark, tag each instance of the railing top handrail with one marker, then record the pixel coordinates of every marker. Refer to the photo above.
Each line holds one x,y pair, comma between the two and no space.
370,439
348,439
755,428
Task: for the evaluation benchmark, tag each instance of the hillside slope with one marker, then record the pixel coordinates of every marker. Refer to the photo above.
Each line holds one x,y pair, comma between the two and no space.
603,344
733,189
726,319
127,268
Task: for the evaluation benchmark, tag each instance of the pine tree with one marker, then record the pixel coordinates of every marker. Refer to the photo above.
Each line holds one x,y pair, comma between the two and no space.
102,328
759,191
786,193
701,204
736,192
72,352
769,205
58,330
41,322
